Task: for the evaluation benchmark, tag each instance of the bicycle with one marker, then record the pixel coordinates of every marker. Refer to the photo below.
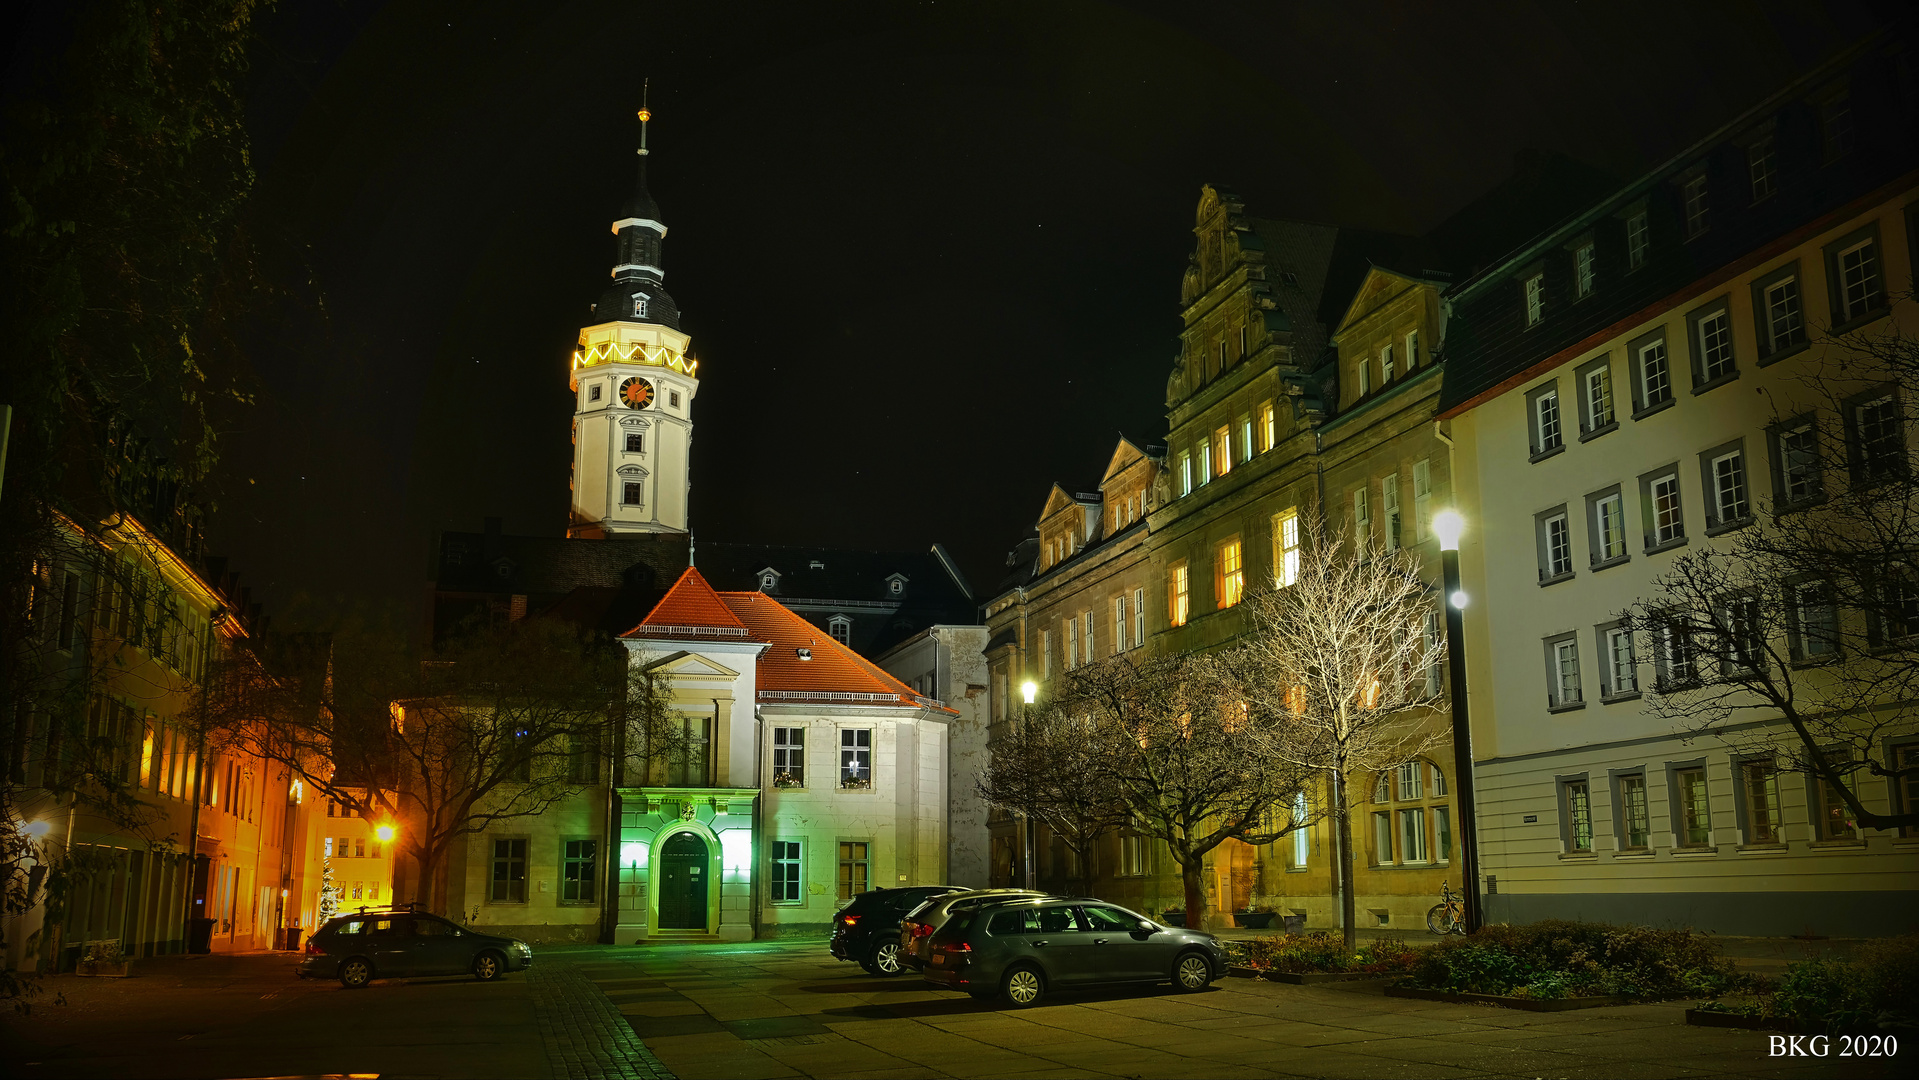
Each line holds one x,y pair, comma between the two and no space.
1448,916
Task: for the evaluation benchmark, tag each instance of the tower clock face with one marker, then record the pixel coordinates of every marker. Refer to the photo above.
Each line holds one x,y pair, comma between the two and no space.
636,393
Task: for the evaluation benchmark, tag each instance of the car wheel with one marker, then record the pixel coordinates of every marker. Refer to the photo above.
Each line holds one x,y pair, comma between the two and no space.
1023,987
886,959
355,974
1192,973
487,966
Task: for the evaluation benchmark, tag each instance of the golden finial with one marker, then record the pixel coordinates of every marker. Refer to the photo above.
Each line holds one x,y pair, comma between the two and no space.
645,114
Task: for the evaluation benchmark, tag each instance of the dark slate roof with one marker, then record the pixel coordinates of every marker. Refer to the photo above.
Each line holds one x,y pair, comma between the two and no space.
1488,346
616,302
611,584
640,204
1022,566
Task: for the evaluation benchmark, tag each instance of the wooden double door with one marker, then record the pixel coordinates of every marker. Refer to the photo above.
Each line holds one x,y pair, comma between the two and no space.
685,891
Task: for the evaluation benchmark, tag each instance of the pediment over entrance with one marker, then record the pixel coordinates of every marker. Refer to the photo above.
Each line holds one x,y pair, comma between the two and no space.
691,664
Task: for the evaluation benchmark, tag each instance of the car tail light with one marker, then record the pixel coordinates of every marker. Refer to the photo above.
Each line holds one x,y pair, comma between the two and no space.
314,950
922,930
953,947
848,920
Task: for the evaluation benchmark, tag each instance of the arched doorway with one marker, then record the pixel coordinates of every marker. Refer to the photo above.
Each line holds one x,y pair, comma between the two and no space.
683,884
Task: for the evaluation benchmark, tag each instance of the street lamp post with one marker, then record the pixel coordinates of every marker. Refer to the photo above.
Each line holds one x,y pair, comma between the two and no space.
1447,525
1028,690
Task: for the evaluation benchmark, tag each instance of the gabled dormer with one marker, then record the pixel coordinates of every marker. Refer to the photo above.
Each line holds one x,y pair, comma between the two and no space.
1069,522
769,580
1127,487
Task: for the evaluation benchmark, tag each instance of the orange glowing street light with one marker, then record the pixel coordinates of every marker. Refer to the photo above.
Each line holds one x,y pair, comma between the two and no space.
384,832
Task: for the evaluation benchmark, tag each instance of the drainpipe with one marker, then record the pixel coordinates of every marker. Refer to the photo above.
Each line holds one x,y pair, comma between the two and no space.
759,797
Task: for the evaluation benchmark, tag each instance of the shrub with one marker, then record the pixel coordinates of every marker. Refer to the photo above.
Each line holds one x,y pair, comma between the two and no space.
1320,951
1878,988
1557,959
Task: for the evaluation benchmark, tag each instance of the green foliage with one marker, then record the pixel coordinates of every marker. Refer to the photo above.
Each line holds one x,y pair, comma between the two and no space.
1559,959
1877,989
1322,952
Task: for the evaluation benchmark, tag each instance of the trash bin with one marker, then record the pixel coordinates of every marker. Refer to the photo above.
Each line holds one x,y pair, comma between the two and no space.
200,935
1294,924
290,939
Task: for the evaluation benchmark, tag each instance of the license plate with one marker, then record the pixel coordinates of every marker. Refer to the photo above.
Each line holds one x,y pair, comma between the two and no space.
938,959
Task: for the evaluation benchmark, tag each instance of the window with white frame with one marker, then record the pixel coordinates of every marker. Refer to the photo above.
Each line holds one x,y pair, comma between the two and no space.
1635,818
1535,286
593,392
1608,526
1045,654
1698,206
1286,548
1412,836
1814,621
1835,126
1385,364
1726,470
1562,654
631,493
1598,386
1796,461
1638,239
1666,523
1086,649
1655,374
1412,350
1246,438
1744,640
1185,473
1362,518
635,442
789,757
1072,642
1878,438
1268,425
1223,451
1133,855
1759,788
1545,416
1178,595
856,757
1435,671
1422,499
1412,781
1673,654
1555,545
841,629
1302,837
1583,270
1856,281
1784,318
1365,376
1230,582
1206,472
787,888
1576,800
1383,838
1712,334
1622,666
1694,804
1119,624
1389,509
1139,617
1759,167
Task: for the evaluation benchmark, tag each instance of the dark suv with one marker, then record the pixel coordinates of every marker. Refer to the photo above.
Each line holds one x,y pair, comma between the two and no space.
1024,948
867,929
369,945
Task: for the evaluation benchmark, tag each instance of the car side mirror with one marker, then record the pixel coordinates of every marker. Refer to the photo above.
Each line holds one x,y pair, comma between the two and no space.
1149,926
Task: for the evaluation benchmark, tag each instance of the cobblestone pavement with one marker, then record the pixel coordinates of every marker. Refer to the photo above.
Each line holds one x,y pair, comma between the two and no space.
585,1035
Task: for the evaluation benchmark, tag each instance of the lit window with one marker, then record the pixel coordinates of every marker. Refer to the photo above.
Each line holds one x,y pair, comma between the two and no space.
1232,577
1286,547
1223,451
1269,426
1177,598
856,757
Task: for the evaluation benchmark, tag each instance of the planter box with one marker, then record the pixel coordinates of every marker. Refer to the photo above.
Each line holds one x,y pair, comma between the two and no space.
105,971
1310,978
1528,1004
1253,920
1240,971
1712,1018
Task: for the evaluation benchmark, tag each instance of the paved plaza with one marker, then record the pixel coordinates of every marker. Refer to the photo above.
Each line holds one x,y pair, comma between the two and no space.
788,1010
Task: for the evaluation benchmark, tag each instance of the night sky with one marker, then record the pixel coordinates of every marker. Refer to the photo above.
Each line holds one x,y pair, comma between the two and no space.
929,253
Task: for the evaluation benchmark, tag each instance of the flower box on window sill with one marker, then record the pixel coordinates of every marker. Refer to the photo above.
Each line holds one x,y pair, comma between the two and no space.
855,783
783,780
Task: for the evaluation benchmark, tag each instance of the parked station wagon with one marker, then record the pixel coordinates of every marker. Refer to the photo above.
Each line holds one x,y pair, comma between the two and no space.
368,945
1024,949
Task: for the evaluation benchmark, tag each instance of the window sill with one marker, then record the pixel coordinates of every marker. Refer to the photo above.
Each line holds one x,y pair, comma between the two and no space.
1616,560
1637,854
1695,853
1858,323
1837,845
1588,436
1715,383
1675,542
1541,455
1725,527
1651,409
1578,856
1615,699
1761,849
1556,579
1788,351
1570,706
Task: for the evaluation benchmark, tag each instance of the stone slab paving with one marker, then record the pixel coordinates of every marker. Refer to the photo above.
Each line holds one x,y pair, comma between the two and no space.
1239,1028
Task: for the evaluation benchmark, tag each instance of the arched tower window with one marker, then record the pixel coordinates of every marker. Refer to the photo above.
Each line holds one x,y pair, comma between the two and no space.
841,628
639,305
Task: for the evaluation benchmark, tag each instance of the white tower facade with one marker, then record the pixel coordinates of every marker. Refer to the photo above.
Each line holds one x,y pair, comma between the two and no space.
633,388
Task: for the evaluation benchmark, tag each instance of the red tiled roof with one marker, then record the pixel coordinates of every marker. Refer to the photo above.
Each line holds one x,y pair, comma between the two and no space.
690,607
833,670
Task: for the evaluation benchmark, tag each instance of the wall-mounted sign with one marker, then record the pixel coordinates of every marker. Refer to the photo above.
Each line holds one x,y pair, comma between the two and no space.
1530,818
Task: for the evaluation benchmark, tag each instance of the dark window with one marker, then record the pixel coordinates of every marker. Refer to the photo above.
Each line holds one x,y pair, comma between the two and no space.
786,872
1543,405
1813,631
1712,344
1759,794
1856,288
1698,206
582,759
1878,438
635,442
1835,126
509,872
1795,462
1759,166
578,871
630,493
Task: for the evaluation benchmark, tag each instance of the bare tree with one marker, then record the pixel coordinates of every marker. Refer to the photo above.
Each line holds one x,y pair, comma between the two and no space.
500,723
1175,744
1338,669
1795,639
1048,769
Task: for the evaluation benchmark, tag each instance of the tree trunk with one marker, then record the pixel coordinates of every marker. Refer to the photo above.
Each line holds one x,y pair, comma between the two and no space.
1343,878
1189,874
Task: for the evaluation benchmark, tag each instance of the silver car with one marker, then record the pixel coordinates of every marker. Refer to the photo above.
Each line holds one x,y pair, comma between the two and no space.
917,929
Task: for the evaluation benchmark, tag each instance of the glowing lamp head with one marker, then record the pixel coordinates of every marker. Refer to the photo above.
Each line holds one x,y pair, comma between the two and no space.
645,115
1029,690
34,830
1447,525
1459,599
384,832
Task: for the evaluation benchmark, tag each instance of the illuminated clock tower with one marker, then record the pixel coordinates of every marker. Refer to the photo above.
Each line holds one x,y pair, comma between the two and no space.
633,387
